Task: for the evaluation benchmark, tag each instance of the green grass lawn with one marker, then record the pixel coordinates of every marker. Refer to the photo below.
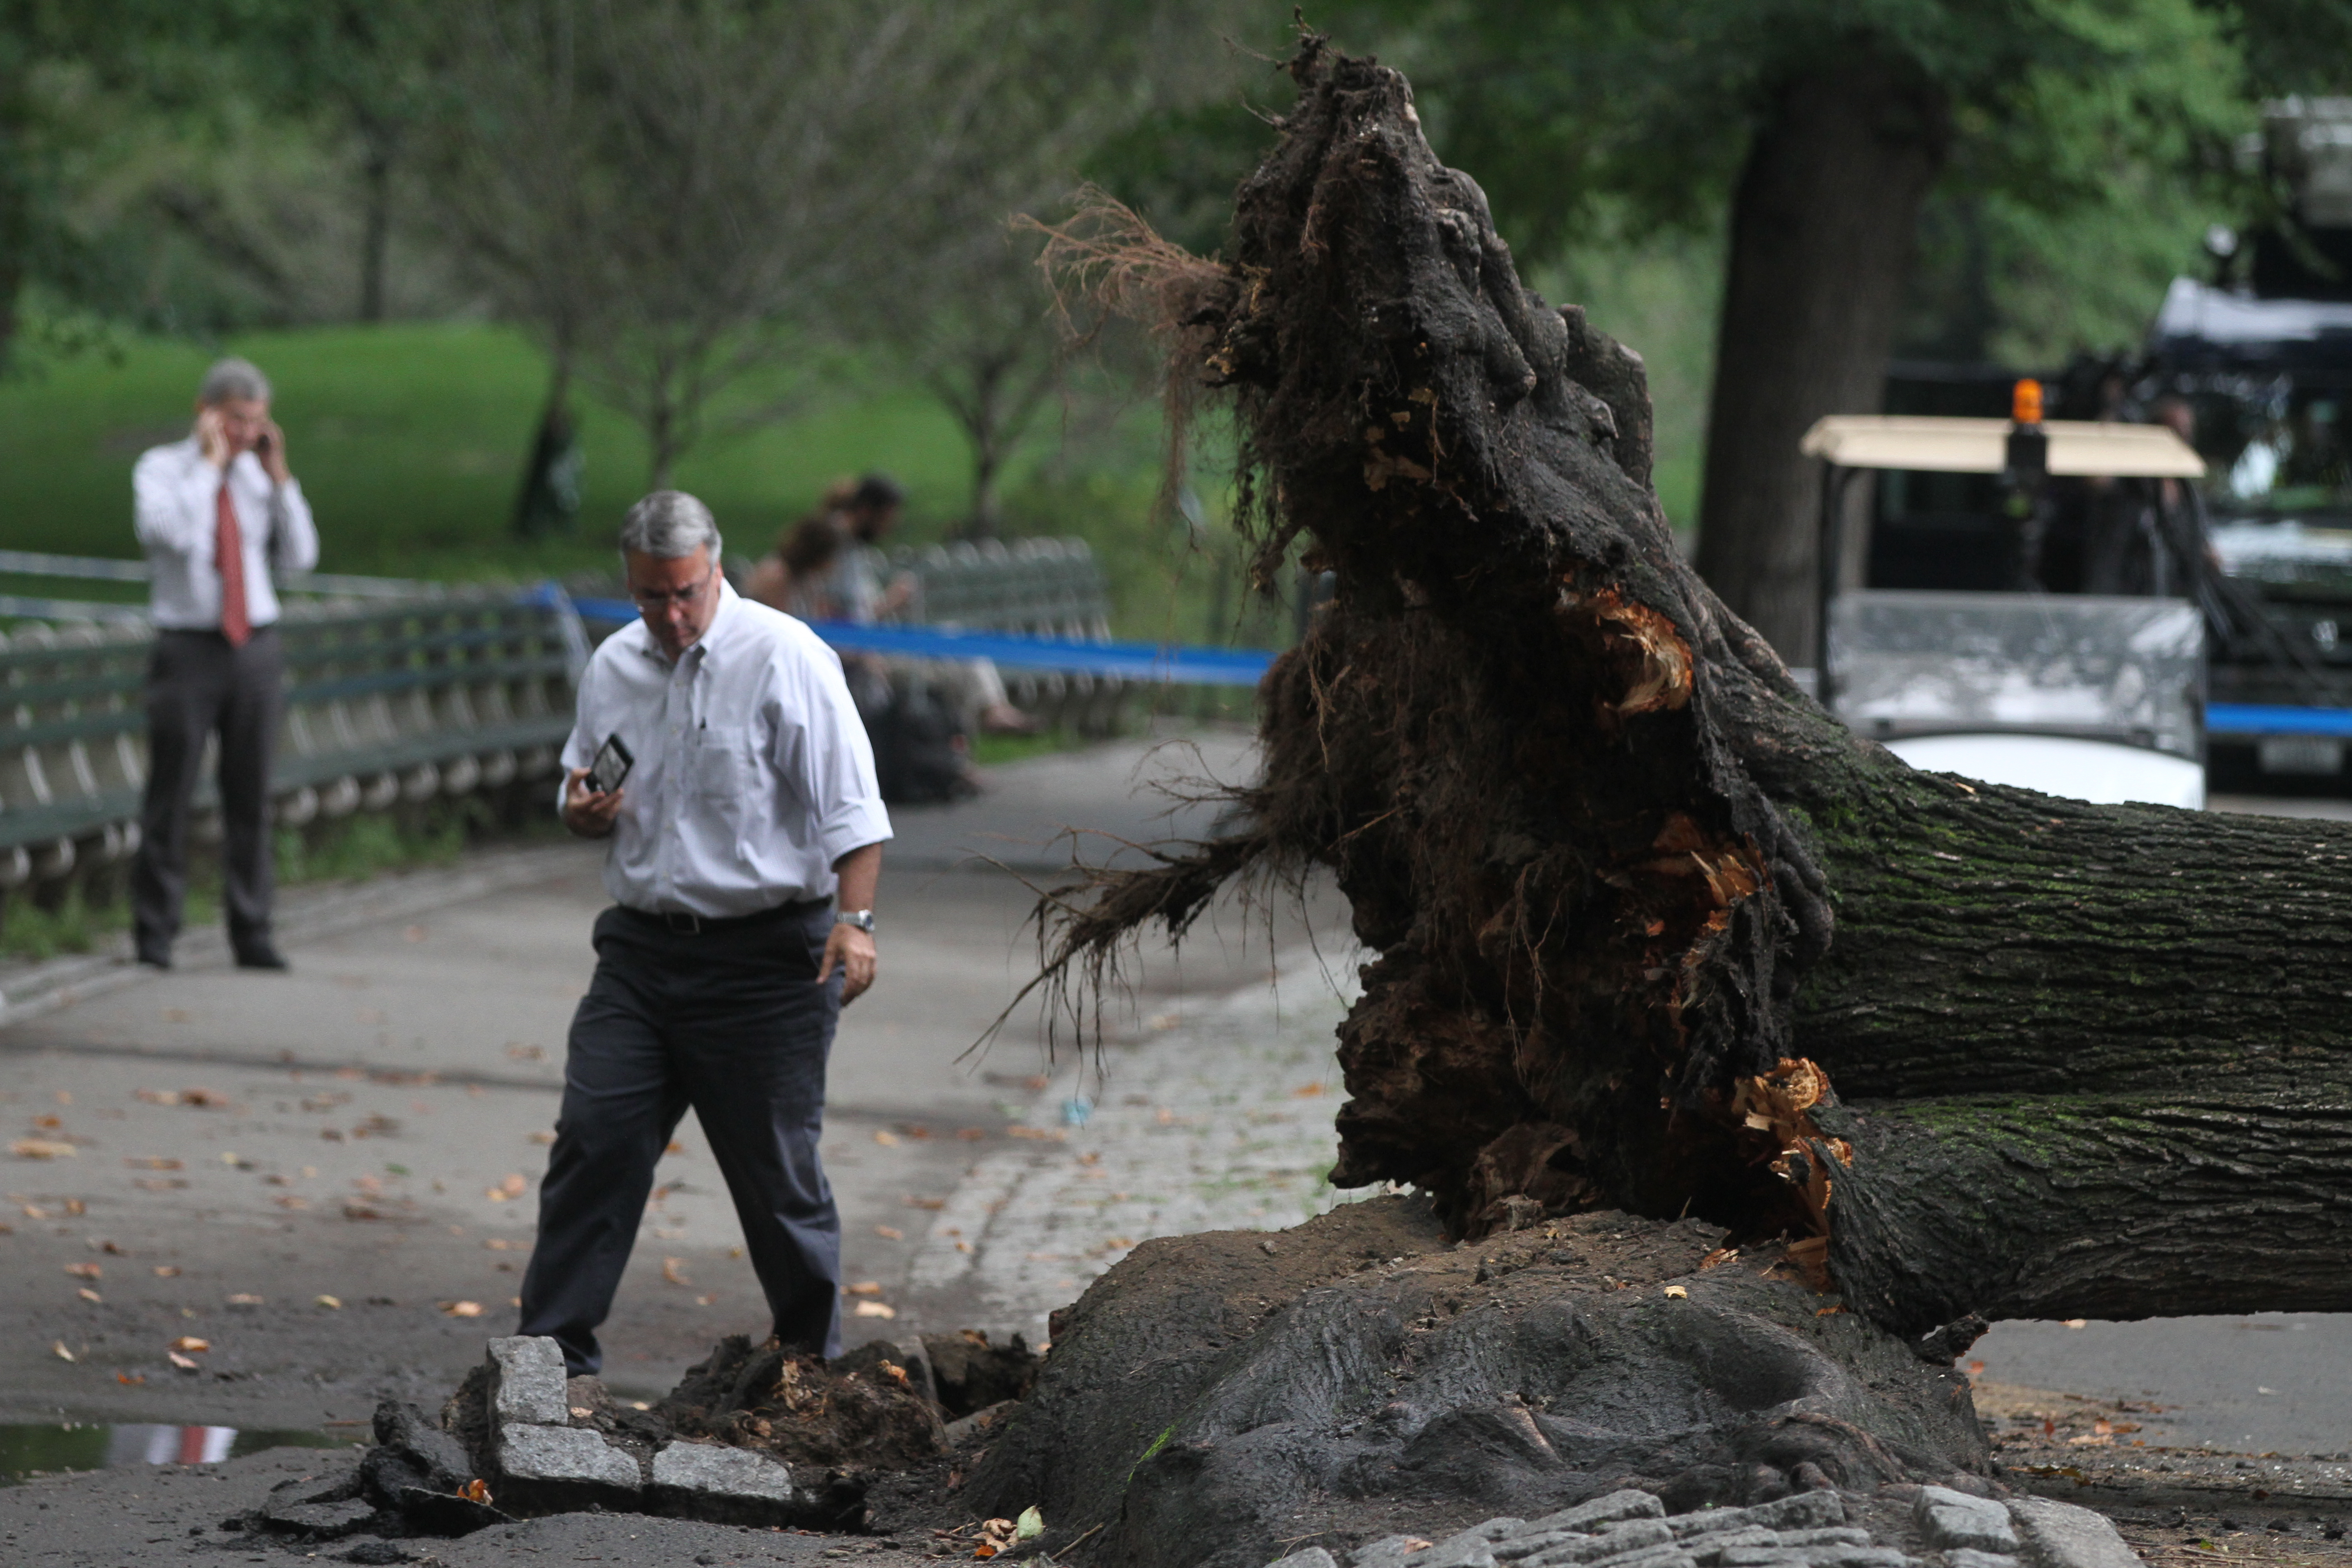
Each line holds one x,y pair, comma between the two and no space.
409,440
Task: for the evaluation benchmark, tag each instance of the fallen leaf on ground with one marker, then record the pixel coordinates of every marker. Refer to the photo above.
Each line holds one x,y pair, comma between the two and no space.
1036,1134
1307,1091
167,1272
675,1148
543,1138
35,1211
155,1162
49,1123
2078,1322
87,1294
244,1299
475,1490
332,1304
190,1344
1030,1525
706,1301
995,1536
183,1363
1677,1293
674,1271
461,1309
84,1271
1717,1259
128,1381
291,1201
42,1149
863,1288
874,1310
934,1205
57,1349
75,1206
889,1233
884,1137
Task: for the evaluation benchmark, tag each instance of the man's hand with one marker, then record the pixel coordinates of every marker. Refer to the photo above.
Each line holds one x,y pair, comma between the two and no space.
212,437
589,812
271,449
853,950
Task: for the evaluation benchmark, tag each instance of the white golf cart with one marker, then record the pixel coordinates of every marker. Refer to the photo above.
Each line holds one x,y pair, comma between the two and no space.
2098,698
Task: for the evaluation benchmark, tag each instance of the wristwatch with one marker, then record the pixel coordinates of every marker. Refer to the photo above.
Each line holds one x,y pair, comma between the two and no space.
862,919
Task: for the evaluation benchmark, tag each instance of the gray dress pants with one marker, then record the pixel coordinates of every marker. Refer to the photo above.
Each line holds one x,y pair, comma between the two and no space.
731,1021
198,686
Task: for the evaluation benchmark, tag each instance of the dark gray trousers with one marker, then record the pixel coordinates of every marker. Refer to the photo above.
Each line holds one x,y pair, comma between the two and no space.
732,1022
198,686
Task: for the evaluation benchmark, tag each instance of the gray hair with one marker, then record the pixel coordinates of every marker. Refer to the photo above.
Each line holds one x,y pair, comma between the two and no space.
233,378
668,525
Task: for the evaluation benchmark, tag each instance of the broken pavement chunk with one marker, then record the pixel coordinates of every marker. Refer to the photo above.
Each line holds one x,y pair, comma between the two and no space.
1616,1507
1804,1511
2064,1536
1949,1520
566,1467
723,1484
528,1382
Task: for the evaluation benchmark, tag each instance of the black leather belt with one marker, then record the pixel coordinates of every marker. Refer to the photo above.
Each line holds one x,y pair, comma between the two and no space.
680,922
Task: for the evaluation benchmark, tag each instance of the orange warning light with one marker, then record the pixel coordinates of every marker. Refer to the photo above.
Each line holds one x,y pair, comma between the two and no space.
2025,402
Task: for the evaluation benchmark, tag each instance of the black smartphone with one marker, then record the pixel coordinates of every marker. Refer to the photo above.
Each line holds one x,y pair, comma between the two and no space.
610,765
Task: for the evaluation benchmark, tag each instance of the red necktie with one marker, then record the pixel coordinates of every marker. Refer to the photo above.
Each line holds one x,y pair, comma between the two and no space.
228,551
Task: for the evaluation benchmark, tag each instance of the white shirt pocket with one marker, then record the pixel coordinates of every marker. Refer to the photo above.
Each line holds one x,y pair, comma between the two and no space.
719,781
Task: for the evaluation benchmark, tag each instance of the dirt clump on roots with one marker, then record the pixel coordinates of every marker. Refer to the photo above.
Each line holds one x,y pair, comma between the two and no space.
1215,1395
863,1411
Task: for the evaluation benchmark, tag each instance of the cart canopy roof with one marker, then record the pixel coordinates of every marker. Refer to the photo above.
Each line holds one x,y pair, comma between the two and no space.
2078,447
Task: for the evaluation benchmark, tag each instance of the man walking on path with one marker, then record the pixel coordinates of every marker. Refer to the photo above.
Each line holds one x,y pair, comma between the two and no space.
214,513
749,803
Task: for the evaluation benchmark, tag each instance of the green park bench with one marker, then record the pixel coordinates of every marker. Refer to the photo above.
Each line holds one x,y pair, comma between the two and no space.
386,701
1037,587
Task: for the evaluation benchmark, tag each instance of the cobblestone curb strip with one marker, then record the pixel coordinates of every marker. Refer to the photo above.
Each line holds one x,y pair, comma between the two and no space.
546,1465
1809,1530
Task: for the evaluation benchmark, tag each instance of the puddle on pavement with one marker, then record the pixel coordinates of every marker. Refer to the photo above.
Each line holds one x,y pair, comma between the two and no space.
31,1448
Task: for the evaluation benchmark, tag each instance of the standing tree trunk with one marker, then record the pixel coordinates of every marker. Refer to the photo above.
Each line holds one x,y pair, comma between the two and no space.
1653,930
375,236
1823,229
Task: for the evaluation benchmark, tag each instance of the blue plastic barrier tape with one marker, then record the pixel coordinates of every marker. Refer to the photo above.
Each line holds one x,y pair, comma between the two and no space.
1132,660
2251,721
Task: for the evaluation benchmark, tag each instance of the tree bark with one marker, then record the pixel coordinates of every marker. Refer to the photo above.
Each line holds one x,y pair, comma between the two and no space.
376,237
1824,223
1653,930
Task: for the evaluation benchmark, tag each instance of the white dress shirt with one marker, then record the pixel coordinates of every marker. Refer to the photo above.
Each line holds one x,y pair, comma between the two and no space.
178,524
752,774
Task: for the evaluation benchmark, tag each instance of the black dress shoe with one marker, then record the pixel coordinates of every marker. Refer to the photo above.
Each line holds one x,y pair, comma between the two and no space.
261,955
155,955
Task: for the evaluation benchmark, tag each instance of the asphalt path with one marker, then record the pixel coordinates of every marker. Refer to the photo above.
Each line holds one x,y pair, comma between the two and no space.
330,1177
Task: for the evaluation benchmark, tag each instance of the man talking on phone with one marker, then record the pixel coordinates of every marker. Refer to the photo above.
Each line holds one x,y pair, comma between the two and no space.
214,513
718,749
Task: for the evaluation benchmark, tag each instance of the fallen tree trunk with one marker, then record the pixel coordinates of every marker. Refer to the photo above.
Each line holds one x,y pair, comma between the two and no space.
1655,931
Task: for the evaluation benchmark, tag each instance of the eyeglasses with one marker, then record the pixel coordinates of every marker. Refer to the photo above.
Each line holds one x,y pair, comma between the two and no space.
657,599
